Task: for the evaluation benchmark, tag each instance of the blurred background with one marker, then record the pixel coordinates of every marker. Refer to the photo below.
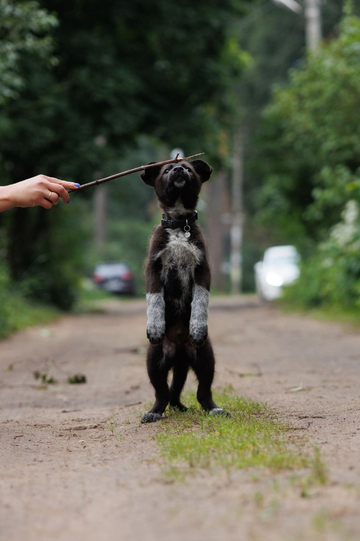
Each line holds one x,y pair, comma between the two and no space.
269,90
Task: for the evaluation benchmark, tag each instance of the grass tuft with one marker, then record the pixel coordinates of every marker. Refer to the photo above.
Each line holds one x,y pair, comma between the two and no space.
319,472
252,437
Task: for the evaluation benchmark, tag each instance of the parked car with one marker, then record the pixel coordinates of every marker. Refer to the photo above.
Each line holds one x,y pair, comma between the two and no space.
279,267
115,278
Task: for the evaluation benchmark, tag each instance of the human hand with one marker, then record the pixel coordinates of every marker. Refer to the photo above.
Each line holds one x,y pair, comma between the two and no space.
40,191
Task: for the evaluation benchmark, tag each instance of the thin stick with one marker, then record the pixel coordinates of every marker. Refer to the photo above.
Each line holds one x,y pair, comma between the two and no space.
141,168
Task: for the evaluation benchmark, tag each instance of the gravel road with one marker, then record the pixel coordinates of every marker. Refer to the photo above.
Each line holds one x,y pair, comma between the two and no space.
75,463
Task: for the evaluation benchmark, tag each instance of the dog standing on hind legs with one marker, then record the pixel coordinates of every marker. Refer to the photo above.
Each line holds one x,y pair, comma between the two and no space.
177,277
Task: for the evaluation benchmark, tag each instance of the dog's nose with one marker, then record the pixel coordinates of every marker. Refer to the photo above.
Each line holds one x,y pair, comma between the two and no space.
178,168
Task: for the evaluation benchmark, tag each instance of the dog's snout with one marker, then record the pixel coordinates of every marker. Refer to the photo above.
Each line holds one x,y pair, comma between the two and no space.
178,168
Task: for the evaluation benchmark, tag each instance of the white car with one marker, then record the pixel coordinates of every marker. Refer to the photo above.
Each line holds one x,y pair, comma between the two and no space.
279,267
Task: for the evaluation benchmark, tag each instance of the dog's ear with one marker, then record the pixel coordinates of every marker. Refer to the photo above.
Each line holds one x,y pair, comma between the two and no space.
149,175
203,169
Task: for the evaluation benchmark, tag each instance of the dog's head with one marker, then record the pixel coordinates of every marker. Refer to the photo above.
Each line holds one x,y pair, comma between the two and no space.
178,182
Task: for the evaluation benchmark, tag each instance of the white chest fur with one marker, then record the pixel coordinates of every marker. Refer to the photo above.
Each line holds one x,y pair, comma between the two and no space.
180,255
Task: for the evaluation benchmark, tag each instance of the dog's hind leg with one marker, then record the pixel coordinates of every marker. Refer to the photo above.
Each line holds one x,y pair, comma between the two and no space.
180,370
204,368
158,371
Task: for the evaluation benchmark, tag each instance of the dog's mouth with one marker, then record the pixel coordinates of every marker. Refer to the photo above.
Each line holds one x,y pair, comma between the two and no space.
179,182
179,178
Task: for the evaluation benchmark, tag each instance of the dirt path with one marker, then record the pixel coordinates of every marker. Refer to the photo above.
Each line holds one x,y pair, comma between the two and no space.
75,464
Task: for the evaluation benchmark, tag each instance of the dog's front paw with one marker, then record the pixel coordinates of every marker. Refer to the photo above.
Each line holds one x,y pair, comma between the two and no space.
150,417
198,335
155,334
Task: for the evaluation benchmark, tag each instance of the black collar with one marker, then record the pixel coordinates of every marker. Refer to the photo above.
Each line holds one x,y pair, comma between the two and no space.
174,224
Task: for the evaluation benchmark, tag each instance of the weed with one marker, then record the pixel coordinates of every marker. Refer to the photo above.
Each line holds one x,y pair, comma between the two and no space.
111,426
259,498
324,522
318,473
319,522
78,378
45,378
305,492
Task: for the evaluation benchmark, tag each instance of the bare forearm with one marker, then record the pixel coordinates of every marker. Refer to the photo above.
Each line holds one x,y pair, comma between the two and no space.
6,198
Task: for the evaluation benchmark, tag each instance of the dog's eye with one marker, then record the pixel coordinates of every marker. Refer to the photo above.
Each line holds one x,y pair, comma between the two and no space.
188,169
167,171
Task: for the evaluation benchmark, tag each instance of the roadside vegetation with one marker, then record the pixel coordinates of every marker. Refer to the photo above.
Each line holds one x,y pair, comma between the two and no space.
88,92
311,143
75,109
251,438
17,313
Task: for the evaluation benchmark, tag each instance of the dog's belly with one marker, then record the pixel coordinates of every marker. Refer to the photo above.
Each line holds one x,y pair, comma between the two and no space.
178,334
179,259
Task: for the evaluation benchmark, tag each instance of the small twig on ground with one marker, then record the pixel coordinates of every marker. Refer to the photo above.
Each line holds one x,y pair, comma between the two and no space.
246,374
311,417
135,170
290,428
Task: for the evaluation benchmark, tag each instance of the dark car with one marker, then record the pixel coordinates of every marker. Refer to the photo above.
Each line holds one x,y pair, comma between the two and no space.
115,278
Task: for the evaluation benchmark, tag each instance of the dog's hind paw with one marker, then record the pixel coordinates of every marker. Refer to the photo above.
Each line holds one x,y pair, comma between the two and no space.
150,417
220,411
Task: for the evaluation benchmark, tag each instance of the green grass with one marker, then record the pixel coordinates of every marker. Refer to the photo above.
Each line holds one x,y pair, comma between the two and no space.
91,297
88,300
16,314
252,437
318,474
336,314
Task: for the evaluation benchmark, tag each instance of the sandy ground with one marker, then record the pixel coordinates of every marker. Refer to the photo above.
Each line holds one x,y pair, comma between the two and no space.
77,465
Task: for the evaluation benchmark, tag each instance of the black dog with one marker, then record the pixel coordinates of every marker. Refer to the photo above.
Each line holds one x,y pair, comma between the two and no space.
177,278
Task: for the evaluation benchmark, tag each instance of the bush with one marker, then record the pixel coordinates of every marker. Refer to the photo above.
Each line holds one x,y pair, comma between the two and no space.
332,275
46,253
15,312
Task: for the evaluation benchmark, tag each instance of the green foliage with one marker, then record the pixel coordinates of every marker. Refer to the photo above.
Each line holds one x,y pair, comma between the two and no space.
312,139
48,269
311,162
15,312
125,71
77,379
331,277
24,28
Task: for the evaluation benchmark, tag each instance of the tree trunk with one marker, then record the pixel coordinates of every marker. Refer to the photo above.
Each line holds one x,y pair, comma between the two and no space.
215,228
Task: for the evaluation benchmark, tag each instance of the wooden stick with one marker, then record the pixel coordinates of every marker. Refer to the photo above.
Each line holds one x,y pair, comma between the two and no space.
141,168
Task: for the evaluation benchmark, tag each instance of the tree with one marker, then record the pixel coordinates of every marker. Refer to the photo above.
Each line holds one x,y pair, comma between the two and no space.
125,68
311,166
312,139
274,37
24,29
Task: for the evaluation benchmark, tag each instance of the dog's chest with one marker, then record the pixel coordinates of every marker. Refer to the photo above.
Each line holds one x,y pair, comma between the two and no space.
179,255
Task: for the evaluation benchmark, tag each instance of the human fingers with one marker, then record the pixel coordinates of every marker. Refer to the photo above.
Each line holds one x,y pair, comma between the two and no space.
58,190
45,203
65,183
53,197
62,187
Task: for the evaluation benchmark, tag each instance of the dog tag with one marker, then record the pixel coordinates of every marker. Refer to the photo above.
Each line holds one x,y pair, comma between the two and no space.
187,230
